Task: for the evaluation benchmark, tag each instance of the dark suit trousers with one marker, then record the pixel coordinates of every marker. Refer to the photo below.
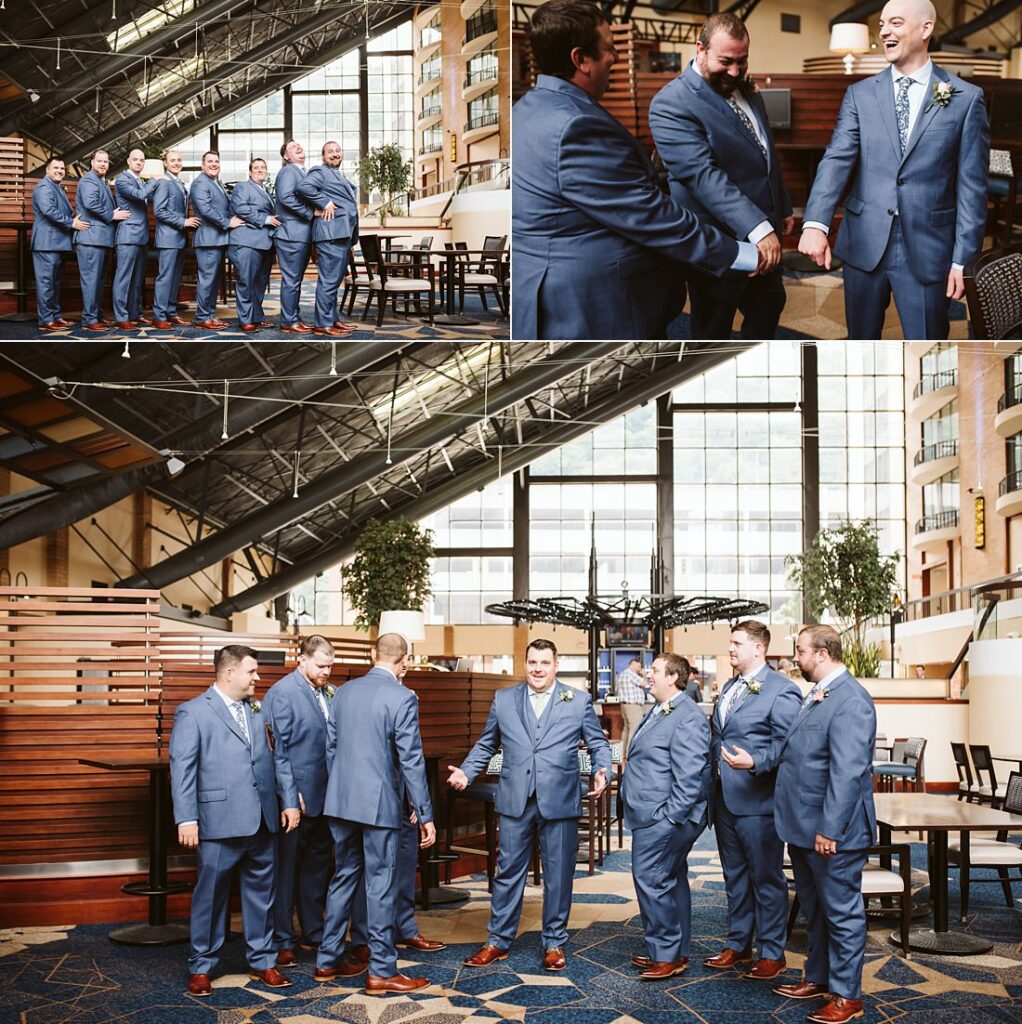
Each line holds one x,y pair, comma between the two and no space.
303,873
715,300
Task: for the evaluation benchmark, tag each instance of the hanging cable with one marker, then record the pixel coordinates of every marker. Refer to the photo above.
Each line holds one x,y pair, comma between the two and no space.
227,385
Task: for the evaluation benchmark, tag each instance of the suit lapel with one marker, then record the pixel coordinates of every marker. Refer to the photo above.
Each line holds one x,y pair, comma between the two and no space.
884,92
721,108
525,712
306,688
551,707
640,727
925,116
220,708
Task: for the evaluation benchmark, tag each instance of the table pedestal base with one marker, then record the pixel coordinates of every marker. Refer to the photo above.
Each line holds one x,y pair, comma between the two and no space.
444,895
150,934
926,940
876,911
451,320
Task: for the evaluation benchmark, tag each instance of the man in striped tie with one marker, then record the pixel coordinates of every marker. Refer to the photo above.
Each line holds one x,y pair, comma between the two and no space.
712,132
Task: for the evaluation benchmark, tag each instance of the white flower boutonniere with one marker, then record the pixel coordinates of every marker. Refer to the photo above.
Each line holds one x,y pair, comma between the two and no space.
750,83
754,686
328,691
942,93
666,707
817,697
253,705
566,695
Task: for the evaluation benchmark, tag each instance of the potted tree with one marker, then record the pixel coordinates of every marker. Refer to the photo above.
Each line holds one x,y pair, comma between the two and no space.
385,169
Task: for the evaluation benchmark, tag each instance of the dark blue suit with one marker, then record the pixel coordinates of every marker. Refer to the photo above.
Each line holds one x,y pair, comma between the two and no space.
538,795
751,853
52,235
594,238
210,203
333,238
293,240
908,216
718,171
825,787
95,205
235,789
664,795
170,209
303,855
131,237
251,249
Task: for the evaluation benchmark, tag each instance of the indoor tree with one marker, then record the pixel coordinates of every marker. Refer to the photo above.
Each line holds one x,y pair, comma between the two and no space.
384,168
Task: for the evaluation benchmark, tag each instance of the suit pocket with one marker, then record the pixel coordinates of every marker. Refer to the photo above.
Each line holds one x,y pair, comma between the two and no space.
853,204
208,796
938,218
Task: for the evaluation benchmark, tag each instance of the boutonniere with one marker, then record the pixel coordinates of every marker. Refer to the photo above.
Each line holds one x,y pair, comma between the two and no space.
329,691
754,686
565,695
666,707
817,697
942,93
750,83
253,705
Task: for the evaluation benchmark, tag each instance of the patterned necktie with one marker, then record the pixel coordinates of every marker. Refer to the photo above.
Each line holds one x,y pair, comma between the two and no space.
901,110
810,698
732,698
747,123
239,714
321,700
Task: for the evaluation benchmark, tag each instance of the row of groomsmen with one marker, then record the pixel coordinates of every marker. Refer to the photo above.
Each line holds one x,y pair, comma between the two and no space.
315,207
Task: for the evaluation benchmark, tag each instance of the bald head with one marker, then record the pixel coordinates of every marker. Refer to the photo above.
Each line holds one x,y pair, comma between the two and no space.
905,30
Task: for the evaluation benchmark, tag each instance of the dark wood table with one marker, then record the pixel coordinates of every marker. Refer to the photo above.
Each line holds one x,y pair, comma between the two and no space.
157,931
937,816
449,318
21,314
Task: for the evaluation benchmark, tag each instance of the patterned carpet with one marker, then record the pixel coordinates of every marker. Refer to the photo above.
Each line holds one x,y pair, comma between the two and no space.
75,975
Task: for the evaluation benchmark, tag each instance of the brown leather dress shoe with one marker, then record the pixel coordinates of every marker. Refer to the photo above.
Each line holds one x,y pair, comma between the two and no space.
144,321
837,1011
298,328
175,319
266,323
341,325
99,326
803,990
641,961
326,973
766,970
661,969
127,325
332,332
271,978
65,323
485,956
51,326
354,962
209,325
309,947
248,328
399,983
198,985
163,325
422,944
554,960
728,958
286,958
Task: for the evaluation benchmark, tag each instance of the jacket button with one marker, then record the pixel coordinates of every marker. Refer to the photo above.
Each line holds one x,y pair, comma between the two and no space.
890,213
528,771
901,181
255,785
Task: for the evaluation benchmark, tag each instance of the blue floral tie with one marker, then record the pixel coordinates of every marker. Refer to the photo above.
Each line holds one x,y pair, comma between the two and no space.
746,123
239,715
901,110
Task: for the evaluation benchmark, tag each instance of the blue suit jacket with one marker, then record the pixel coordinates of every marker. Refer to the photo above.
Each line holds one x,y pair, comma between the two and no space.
170,208
668,773
133,195
301,735
758,723
221,781
323,185
594,238
939,186
374,753
52,229
95,205
210,202
252,203
716,169
552,760
825,775
293,212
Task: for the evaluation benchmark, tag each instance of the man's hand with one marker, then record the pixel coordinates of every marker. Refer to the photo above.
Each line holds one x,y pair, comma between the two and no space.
301,803
815,245
328,211
955,284
825,847
289,818
188,835
275,222
192,222
413,818
769,253
740,759
787,225
457,779
80,225
427,835
599,783
120,214
235,222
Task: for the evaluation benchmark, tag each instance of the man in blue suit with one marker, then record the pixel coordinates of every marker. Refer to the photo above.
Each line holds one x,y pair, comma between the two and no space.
823,809
594,237
334,230
377,771
213,208
53,230
229,779
748,726
664,796
539,725
170,210
294,236
131,238
251,245
299,705
915,144
712,133
93,245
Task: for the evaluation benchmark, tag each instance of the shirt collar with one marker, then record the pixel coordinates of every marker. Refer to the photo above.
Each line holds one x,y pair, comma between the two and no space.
752,675
229,701
825,682
383,668
920,75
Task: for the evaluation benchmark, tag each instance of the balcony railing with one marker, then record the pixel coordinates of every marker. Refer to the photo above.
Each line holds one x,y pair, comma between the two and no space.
938,521
935,381
1012,482
429,74
479,25
488,74
1010,398
431,111
482,120
940,450
428,36
430,147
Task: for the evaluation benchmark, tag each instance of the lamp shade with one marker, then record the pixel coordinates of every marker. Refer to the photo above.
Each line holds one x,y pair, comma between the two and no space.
410,625
153,168
849,37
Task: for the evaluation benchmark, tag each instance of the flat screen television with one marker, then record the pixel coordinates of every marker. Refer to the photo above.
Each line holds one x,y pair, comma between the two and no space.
778,107
631,634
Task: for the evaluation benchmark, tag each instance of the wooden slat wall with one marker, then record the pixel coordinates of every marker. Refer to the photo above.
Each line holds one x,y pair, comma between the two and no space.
12,176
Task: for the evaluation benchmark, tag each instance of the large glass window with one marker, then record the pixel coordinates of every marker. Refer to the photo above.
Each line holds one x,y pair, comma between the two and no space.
605,449
484,110
942,495
482,68
942,426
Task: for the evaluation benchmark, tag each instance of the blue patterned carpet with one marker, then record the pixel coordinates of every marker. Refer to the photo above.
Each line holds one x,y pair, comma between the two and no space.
76,976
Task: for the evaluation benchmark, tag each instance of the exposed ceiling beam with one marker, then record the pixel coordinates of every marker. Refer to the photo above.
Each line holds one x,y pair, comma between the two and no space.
994,13
857,12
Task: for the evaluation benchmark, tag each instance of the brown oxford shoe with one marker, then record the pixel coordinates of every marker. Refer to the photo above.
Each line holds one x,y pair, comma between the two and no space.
642,961
266,323
99,326
175,319
298,328
837,1011
332,332
485,956
803,990
163,325
209,325
399,983
198,985
51,326
661,969
271,978
766,970
126,325
144,321
554,960
728,958
326,973
308,945
65,323
287,958
248,328
354,962
422,944
341,325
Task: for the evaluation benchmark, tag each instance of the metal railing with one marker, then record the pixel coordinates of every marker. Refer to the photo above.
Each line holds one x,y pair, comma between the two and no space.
482,120
1010,398
480,25
940,450
430,111
935,381
938,521
430,74
430,147
487,74
479,172
428,36
1012,482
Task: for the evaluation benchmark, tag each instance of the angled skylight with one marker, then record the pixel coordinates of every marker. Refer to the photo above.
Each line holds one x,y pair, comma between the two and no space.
136,27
